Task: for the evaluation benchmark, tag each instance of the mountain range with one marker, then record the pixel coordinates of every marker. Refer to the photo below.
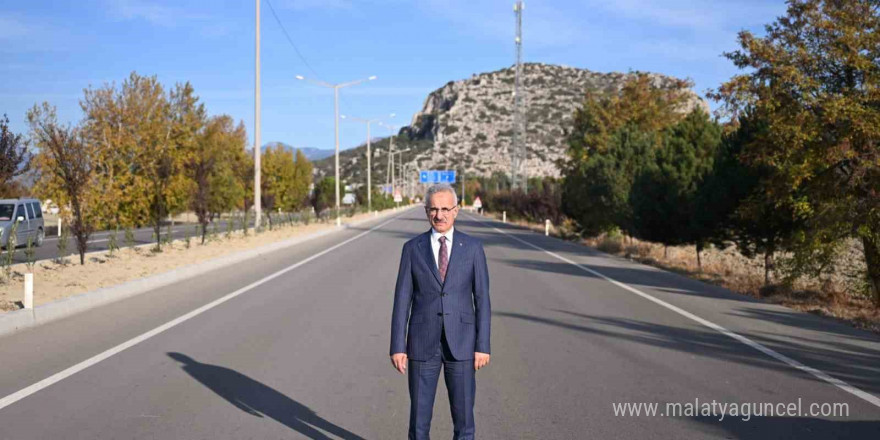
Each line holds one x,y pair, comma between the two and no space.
467,124
312,154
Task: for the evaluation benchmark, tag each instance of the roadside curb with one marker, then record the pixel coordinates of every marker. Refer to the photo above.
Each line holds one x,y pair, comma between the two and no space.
12,322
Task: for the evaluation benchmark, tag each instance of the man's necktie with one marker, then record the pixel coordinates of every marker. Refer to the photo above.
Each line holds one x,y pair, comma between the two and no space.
443,259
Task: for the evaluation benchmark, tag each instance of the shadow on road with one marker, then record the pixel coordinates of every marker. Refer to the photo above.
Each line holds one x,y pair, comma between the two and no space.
260,400
858,367
679,285
793,427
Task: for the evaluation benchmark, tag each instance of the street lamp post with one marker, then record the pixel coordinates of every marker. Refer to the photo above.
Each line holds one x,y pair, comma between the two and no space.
389,176
336,88
257,207
369,158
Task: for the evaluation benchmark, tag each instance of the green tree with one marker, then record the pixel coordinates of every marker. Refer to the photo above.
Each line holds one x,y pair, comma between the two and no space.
733,202
596,189
814,78
665,194
613,133
302,179
15,159
323,196
380,200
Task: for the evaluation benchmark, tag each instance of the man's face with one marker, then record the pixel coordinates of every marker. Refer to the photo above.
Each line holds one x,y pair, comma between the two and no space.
440,202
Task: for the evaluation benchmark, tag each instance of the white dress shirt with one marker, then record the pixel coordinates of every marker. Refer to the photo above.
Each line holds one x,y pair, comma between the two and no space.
435,244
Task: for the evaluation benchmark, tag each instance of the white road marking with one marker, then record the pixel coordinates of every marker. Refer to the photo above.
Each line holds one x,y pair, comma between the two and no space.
57,377
868,397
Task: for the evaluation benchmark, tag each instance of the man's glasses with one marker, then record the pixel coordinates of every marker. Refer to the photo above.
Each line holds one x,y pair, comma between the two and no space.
444,211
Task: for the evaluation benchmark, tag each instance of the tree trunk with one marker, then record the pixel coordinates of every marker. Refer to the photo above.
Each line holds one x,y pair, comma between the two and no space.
699,259
872,261
768,265
78,228
665,251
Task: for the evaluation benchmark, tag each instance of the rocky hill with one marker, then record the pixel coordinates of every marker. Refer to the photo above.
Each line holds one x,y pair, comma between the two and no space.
468,124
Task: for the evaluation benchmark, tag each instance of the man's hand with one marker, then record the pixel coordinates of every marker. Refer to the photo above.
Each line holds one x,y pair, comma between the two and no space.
480,360
398,360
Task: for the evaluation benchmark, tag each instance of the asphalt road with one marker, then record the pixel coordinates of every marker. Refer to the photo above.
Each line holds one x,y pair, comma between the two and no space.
100,241
302,353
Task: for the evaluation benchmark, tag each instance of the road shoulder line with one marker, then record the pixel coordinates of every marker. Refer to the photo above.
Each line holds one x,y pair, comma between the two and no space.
12,322
57,377
819,374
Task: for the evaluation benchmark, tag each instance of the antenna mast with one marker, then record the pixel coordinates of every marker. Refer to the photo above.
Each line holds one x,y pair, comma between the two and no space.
518,148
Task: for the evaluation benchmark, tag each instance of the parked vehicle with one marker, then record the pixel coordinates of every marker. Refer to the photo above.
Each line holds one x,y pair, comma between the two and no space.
28,214
49,207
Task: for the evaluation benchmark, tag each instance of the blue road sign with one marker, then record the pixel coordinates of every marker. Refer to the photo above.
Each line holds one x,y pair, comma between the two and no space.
437,176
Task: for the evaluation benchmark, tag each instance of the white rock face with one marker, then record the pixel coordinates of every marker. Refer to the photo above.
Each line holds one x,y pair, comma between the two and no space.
471,121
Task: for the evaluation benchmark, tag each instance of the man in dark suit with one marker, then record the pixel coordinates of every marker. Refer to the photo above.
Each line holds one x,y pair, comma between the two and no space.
443,291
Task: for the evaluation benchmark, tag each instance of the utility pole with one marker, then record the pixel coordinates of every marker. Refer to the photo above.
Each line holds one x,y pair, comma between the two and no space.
518,147
389,179
369,176
336,156
257,207
369,159
398,166
462,188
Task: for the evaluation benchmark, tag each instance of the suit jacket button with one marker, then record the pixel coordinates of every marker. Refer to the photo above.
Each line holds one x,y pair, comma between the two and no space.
439,314
443,294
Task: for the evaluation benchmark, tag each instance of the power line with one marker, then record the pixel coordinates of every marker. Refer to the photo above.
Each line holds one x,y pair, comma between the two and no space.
293,45
290,40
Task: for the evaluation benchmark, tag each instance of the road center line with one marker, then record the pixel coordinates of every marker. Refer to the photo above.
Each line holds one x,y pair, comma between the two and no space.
57,377
868,397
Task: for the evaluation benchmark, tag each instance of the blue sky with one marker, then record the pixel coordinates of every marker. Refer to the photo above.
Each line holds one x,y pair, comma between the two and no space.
52,50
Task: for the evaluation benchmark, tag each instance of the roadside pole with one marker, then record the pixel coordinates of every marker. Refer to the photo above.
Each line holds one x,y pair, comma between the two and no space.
257,207
28,301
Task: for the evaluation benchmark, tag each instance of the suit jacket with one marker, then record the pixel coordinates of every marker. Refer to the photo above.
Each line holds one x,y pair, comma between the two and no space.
459,306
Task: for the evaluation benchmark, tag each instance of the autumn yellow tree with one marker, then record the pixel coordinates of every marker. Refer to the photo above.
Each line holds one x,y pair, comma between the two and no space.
613,134
277,174
65,163
110,121
302,179
211,167
142,136
814,77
